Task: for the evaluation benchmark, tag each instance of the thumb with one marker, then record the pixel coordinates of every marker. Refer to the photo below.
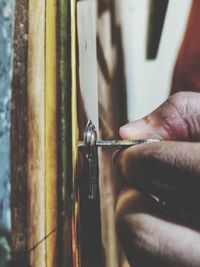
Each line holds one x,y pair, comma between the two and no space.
178,118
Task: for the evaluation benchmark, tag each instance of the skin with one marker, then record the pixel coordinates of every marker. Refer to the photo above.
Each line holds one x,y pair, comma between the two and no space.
153,235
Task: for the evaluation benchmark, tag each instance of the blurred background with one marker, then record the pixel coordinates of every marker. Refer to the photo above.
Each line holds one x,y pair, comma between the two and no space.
148,79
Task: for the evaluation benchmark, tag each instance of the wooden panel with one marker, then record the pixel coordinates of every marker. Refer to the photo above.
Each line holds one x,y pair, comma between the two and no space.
35,225
51,134
36,134
41,158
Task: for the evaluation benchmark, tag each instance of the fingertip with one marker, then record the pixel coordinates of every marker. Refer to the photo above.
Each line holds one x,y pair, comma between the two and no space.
133,129
124,131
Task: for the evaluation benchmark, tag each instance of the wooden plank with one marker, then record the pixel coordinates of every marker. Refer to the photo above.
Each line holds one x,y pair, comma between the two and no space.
51,134
74,134
19,152
36,134
65,185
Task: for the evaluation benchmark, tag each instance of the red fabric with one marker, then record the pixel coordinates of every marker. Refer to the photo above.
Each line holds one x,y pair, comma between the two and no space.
187,70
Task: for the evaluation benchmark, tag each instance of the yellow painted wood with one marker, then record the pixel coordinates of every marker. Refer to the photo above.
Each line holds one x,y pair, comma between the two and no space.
51,134
36,153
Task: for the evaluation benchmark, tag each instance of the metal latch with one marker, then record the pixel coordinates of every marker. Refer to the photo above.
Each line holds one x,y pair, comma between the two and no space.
90,144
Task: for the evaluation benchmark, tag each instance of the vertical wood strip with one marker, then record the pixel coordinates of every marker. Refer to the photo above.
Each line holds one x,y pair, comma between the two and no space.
36,142
74,135
74,93
64,135
19,138
51,134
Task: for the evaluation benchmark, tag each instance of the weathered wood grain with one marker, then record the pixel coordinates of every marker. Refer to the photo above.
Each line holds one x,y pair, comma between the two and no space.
19,135
36,133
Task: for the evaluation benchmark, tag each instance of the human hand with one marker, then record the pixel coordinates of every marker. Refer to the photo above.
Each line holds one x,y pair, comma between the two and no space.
169,170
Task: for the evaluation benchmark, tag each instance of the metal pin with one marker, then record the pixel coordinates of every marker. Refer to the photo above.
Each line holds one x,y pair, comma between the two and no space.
118,143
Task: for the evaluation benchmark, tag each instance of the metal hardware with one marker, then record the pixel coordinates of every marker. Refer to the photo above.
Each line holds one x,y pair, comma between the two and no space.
90,140
90,145
118,143
90,137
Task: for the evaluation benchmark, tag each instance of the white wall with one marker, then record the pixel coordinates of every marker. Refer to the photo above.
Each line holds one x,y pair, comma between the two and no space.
148,82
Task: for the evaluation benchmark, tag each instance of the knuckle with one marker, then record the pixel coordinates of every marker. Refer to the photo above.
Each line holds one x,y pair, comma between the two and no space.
177,97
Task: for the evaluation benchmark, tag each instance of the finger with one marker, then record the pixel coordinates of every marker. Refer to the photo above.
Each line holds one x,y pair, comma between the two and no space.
167,169
148,239
175,119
